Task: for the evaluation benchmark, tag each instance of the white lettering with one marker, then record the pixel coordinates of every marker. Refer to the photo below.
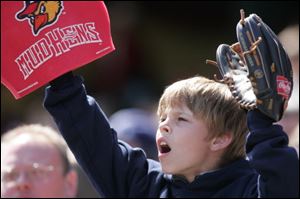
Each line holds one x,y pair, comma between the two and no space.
55,43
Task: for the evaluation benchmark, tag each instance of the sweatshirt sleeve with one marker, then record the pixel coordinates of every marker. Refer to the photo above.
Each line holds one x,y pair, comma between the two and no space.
114,168
269,154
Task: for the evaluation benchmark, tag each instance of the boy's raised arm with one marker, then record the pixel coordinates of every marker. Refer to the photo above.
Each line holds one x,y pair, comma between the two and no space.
259,75
109,164
269,154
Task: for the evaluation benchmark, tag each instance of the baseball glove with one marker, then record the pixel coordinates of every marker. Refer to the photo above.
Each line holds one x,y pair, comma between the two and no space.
257,69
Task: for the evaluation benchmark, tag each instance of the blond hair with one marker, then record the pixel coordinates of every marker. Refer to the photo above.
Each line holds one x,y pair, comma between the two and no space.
37,131
214,103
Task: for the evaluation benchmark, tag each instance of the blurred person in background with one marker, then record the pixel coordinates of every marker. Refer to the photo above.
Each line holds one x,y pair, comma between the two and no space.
289,38
294,138
137,127
35,164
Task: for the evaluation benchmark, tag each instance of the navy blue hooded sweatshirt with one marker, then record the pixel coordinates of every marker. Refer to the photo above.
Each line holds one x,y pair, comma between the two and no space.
118,170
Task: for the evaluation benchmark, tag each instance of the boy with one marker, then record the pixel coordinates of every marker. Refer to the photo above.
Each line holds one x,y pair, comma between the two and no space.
200,140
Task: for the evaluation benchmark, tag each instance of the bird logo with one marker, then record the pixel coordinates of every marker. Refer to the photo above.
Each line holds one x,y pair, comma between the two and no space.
40,14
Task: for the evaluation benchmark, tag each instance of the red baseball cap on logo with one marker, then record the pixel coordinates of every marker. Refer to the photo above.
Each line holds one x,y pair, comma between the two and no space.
41,40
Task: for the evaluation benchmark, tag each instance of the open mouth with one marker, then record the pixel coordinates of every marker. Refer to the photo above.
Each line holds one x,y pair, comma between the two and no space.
164,147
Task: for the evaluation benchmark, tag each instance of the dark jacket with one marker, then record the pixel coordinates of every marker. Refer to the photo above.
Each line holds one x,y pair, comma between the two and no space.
118,170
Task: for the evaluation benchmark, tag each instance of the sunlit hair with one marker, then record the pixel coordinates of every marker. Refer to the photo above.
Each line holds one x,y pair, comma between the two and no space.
212,102
37,131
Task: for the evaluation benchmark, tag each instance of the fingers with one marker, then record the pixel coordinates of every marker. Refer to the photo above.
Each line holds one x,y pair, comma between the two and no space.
256,55
236,47
223,59
273,47
282,57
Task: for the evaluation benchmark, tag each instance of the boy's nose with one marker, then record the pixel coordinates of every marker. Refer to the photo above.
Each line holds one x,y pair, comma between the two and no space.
164,128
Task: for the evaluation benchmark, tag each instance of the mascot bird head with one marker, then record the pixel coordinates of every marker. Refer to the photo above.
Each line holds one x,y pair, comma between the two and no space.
40,13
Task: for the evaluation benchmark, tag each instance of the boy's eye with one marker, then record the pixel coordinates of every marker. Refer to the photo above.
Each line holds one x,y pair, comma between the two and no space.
162,119
182,119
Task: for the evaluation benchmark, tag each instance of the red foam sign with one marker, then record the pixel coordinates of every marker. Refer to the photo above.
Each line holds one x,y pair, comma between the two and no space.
41,40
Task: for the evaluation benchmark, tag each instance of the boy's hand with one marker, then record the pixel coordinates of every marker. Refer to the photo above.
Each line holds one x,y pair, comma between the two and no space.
257,68
62,80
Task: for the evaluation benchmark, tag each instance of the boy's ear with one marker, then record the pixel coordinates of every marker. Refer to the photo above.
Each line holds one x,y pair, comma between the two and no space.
221,142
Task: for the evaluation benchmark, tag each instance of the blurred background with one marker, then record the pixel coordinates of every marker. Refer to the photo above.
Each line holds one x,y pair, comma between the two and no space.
156,44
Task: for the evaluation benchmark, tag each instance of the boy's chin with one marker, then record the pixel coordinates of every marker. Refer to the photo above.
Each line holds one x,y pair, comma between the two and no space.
167,170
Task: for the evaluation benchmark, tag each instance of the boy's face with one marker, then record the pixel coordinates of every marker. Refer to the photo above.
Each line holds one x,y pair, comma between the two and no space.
183,148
